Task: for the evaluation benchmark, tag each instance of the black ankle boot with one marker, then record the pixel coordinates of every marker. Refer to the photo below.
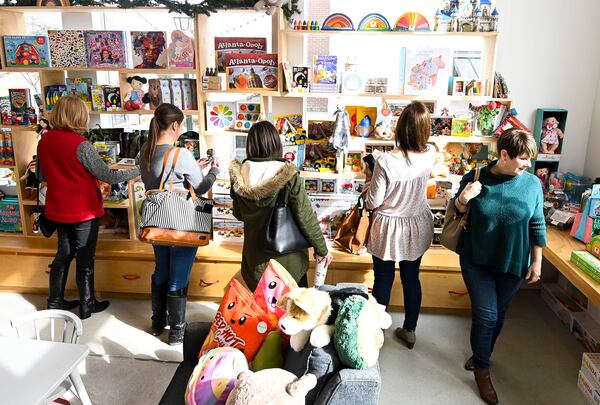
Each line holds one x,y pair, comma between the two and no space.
159,307
88,305
176,301
57,283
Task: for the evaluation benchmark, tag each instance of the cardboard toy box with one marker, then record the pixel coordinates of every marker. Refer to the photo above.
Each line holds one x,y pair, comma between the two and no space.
225,230
590,365
223,208
587,331
560,304
588,388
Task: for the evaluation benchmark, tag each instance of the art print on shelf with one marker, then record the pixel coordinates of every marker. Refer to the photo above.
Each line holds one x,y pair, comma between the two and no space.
67,48
105,48
441,126
427,71
227,45
324,74
149,49
19,100
80,87
181,50
26,51
220,116
251,71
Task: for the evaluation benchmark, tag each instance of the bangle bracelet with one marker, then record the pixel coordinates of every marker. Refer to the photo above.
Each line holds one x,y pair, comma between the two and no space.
464,204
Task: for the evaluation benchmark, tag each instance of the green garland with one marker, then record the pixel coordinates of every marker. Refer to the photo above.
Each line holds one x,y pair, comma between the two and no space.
206,7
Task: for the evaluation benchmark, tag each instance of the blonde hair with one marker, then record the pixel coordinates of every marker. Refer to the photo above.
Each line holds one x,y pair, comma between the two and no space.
71,114
517,142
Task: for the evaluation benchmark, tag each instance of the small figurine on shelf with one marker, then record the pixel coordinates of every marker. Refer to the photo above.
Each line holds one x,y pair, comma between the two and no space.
550,135
42,127
6,119
133,98
32,116
542,173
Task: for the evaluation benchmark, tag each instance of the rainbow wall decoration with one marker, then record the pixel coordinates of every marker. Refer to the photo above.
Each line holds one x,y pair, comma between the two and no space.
374,22
338,22
412,21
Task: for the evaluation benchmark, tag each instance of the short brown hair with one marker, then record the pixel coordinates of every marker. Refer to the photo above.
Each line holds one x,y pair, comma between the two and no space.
71,114
517,142
413,129
263,141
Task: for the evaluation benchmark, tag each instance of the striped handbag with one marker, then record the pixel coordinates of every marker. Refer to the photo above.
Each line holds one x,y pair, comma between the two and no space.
175,217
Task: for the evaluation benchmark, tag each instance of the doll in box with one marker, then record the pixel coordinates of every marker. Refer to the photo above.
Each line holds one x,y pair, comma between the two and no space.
550,135
542,174
134,98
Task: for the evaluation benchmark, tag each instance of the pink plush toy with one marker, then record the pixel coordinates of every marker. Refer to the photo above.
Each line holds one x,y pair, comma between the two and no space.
550,135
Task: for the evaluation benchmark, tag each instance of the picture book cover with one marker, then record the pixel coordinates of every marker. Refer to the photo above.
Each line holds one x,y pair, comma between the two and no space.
98,98
226,45
80,87
220,115
105,49
300,79
181,50
51,95
251,71
427,71
112,98
324,74
26,51
67,48
19,100
149,49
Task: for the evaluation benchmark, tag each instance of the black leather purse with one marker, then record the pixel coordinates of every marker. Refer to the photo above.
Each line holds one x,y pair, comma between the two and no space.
282,234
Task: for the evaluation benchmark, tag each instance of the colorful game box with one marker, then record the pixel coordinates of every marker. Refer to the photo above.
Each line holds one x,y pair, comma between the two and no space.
247,114
181,50
112,98
226,45
19,100
26,51
98,98
52,94
220,116
10,215
105,49
251,71
324,74
67,48
149,49
80,87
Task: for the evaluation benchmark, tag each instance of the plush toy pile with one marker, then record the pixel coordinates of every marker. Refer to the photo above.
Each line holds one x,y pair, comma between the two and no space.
242,359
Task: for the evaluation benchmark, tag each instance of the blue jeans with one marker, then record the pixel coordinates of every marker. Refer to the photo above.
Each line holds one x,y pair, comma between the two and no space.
173,265
385,271
491,294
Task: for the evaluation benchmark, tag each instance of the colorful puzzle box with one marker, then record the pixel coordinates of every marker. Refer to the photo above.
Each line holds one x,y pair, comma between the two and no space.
227,45
149,49
105,49
251,71
67,48
26,51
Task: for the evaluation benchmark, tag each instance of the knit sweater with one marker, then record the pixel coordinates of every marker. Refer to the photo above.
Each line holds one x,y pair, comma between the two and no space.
506,220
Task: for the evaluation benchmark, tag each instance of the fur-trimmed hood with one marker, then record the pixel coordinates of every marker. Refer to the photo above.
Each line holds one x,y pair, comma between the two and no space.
258,179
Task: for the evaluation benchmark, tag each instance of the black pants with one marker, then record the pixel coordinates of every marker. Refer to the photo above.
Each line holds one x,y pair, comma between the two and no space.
76,241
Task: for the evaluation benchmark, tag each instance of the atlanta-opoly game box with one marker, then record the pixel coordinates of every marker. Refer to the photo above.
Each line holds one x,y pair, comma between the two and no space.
251,71
226,45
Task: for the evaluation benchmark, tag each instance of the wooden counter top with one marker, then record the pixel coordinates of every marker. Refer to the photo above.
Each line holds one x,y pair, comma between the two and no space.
558,252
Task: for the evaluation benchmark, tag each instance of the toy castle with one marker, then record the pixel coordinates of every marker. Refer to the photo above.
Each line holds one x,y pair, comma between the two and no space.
466,16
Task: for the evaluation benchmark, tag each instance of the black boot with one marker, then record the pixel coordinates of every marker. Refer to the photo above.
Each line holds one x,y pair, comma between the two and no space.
88,305
159,307
58,281
176,301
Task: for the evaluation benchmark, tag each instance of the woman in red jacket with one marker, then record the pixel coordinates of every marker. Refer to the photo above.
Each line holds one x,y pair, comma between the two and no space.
71,166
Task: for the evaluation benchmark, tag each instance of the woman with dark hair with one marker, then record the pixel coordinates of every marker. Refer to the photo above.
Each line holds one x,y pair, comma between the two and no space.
173,264
402,225
502,244
255,185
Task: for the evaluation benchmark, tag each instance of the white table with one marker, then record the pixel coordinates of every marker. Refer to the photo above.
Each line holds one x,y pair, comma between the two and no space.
30,370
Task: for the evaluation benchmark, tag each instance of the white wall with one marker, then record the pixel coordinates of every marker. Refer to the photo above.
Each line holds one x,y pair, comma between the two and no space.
549,53
592,162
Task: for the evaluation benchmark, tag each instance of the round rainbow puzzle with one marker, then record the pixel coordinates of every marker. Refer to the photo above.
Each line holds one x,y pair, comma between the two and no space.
374,22
338,22
412,21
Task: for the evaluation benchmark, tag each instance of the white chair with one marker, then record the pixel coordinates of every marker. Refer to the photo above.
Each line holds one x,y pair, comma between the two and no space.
65,327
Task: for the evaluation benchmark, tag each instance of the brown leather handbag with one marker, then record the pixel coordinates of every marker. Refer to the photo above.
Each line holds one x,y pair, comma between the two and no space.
455,223
352,235
175,217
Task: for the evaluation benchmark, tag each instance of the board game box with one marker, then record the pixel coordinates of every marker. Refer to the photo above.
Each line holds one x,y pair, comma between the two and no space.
105,49
251,71
26,51
226,45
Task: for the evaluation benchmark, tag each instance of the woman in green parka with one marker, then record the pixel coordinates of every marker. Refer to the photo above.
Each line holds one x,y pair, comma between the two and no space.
255,184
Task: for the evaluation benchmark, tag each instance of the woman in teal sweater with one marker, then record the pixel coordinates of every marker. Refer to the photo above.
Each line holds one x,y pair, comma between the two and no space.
502,244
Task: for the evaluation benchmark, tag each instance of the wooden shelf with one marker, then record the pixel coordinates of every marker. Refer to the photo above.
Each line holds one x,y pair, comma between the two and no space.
330,176
138,112
224,133
273,93
107,204
433,138
20,127
395,96
8,167
99,69
393,33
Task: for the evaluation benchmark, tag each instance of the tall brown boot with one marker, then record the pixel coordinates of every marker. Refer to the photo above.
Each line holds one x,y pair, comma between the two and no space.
484,383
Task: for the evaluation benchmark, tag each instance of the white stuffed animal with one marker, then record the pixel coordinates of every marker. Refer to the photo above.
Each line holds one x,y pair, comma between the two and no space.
269,5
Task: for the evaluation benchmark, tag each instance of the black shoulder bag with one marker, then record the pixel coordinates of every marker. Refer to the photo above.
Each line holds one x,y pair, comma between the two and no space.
282,234
40,222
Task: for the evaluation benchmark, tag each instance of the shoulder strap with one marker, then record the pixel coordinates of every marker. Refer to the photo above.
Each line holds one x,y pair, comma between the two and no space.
165,174
476,178
477,173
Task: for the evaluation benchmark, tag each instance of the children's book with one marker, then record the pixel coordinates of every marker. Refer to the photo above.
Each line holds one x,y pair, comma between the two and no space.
19,100
149,49
251,71
80,87
112,98
181,50
226,45
51,95
67,48
427,71
300,79
26,51
105,49
324,74
98,98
